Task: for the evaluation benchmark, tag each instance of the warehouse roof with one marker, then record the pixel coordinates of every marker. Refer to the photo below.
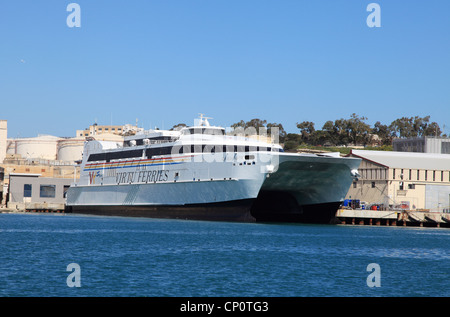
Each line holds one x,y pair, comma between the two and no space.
430,161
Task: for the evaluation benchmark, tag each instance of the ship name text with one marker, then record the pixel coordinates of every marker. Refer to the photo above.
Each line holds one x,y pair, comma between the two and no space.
142,177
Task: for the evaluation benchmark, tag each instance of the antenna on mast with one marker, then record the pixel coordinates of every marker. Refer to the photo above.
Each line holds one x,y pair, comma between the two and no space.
203,121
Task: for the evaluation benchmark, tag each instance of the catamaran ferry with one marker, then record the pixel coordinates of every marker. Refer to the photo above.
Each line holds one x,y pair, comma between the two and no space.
202,173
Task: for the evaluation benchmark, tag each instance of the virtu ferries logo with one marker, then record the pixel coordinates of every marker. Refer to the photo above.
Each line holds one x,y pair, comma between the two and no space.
93,176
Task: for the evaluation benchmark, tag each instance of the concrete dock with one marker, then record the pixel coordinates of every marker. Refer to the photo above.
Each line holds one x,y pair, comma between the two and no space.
34,207
392,218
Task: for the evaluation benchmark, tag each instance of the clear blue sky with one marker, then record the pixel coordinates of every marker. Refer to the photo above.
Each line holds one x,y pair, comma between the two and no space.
164,61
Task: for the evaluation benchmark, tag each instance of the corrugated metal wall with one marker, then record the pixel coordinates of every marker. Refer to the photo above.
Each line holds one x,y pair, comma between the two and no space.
437,198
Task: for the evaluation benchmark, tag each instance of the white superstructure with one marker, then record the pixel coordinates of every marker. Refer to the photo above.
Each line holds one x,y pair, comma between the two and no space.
200,172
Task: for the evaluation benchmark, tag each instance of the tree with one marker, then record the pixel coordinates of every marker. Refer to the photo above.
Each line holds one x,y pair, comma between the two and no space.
240,124
414,127
260,127
358,130
328,134
341,132
256,123
306,130
402,127
429,129
277,130
383,132
432,129
178,126
250,127
292,141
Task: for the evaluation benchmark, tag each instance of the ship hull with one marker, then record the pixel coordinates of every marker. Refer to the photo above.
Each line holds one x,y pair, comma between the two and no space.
233,211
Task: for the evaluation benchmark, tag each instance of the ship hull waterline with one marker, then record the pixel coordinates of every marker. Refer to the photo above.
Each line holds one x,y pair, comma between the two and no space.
235,211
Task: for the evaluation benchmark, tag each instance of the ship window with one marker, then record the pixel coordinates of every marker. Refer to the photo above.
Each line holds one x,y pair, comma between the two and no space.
186,149
177,150
140,142
97,157
212,131
114,155
209,148
158,151
228,148
196,148
204,131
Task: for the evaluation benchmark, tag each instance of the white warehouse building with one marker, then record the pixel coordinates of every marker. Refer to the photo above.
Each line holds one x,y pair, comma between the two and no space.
405,180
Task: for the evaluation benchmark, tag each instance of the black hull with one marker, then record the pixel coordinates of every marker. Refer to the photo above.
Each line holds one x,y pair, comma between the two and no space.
225,211
248,210
281,206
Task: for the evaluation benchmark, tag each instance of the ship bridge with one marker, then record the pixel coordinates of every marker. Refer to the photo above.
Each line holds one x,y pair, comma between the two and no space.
202,126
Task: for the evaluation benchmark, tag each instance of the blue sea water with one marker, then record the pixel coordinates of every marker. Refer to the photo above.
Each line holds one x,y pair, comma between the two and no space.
139,257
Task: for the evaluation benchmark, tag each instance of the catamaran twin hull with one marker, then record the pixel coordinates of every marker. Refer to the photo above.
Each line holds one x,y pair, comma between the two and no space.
246,187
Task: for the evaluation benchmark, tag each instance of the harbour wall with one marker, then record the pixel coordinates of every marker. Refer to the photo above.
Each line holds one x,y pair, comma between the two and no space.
392,218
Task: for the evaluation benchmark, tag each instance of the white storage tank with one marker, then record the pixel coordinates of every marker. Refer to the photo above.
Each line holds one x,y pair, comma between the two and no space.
42,147
70,149
11,146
